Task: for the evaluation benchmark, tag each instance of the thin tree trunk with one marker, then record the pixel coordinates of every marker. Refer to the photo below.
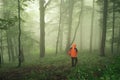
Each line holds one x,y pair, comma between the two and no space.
92,25
63,15
42,28
22,54
79,22
104,28
0,48
15,46
12,50
118,46
71,5
81,27
19,36
8,45
2,60
113,30
59,28
61,39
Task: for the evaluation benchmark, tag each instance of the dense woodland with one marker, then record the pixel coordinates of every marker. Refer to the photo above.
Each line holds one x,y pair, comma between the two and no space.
35,36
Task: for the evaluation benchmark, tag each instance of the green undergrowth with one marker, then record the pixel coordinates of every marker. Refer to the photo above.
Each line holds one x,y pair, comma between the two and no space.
90,66
109,70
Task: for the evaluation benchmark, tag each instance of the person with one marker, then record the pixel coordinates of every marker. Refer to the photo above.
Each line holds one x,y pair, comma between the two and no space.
73,54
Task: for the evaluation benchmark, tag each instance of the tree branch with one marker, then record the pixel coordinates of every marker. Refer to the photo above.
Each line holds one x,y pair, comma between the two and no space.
47,4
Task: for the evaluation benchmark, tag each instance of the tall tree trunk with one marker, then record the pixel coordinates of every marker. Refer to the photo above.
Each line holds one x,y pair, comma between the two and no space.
104,28
59,29
42,28
92,25
22,54
12,50
19,36
15,46
113,30
0,48
71,5
79,22
63,15
0,60
81,27
1,45
61,39
8,45
118,46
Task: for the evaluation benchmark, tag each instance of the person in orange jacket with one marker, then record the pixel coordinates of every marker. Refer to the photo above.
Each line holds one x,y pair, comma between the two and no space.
73,53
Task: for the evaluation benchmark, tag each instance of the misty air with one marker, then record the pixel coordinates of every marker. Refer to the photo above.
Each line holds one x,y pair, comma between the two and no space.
59,39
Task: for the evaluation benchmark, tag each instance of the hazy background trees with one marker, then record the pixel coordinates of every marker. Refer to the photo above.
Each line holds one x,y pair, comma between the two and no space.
51,26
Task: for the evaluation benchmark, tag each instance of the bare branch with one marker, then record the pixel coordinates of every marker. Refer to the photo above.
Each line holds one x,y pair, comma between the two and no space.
47,4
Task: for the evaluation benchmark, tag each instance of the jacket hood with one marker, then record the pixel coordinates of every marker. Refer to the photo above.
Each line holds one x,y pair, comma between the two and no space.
73,45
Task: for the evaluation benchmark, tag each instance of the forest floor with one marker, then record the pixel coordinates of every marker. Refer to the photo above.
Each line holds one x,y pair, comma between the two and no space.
36,73
89,67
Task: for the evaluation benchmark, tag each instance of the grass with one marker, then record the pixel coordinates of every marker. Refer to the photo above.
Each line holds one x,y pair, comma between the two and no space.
58,67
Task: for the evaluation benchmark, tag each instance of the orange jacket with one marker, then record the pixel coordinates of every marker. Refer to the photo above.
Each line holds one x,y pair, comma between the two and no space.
73,51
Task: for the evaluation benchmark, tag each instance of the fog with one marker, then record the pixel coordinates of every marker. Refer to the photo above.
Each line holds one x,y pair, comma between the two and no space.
59,39
52,23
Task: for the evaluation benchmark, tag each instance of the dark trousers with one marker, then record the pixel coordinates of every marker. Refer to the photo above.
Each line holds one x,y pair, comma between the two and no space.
74,61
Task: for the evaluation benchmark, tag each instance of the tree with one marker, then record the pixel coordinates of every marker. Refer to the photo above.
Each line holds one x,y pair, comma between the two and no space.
0,48
43,6
92,25
19,36
70,12
113,30
0,60
104,27
79,22
62,24
82,7
8,45
42,28
118,46
59,28
12,49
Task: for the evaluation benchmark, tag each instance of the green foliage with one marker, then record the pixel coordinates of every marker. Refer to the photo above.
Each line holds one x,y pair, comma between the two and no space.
90,67
112,70
5,24
107,71
34,76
